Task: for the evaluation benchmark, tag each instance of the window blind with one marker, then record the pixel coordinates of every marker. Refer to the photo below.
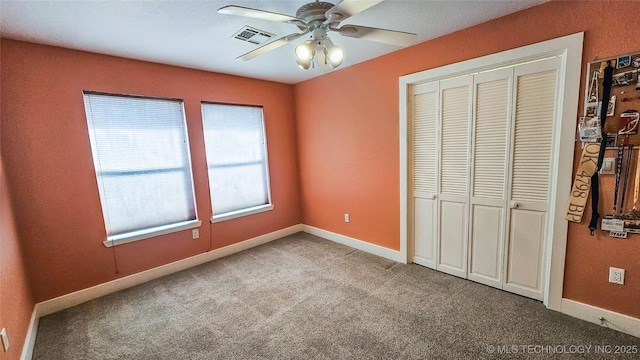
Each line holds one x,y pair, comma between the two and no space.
142,163
236,157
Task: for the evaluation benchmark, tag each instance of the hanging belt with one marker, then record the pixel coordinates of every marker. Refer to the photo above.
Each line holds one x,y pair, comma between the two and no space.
619,158
595,180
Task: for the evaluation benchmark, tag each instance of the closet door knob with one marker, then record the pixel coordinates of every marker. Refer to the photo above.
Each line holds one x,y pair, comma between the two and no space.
515,205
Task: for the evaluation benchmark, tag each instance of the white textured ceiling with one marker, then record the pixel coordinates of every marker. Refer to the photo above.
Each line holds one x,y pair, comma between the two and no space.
192,34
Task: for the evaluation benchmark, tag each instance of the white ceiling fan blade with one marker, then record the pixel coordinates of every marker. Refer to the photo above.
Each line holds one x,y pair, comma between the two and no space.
392,37
270,46
348,8
256,14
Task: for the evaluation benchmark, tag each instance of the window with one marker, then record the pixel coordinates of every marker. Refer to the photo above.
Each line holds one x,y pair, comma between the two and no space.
237,160
141,157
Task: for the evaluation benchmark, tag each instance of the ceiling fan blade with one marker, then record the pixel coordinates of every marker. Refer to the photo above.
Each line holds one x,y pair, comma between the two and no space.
270,46
256,13
348,8
392,37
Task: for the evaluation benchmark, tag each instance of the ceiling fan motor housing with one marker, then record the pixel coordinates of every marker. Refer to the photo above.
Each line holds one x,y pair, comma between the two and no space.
313,14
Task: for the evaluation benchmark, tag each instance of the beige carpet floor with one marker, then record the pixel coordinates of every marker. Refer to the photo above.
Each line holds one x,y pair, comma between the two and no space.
303,297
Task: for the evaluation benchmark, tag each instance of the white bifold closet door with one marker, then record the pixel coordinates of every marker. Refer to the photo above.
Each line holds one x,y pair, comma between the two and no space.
483,148
425,168
454,175
531,164
489,174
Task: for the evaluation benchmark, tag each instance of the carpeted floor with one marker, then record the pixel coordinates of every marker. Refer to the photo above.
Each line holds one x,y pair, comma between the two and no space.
304,297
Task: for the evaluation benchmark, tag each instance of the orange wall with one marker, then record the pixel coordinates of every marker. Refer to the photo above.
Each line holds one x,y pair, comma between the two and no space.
45,145
346,155
349,151
16,302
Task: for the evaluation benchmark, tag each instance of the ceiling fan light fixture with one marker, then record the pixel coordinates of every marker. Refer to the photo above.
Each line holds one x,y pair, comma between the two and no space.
317,18
305,51
333,54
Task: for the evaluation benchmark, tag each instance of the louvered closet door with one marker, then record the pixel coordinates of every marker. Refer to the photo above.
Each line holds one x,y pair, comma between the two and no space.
455,95
489,171
533,138
425,168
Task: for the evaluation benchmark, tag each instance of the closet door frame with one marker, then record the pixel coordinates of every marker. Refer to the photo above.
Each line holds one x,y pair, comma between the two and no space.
569,48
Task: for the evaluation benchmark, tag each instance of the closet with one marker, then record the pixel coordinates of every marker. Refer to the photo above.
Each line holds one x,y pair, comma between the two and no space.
481,171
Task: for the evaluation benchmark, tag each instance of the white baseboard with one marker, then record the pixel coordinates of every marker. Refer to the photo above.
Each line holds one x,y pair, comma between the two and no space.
30,339
66,301
620,322
357,244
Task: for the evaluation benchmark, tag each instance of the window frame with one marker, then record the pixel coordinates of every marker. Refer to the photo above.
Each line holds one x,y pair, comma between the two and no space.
252,209
154,231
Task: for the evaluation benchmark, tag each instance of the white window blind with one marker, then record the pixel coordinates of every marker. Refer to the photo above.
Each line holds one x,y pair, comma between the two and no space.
141,157
236,158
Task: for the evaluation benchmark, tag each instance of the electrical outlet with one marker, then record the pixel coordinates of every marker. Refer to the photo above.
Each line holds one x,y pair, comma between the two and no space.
195,233
5,339
346,217
616,276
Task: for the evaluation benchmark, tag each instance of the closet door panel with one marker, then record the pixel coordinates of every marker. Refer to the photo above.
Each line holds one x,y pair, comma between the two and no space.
525,251
453,236
453,186
425,143
531,173
425,230
486,244
490,161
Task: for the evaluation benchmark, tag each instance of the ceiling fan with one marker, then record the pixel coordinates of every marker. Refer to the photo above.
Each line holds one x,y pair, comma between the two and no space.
317,19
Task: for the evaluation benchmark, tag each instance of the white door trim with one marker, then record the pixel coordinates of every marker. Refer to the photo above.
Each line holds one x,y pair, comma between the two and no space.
570,48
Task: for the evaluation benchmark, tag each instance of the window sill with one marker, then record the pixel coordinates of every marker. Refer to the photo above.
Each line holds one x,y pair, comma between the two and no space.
149,233
241,213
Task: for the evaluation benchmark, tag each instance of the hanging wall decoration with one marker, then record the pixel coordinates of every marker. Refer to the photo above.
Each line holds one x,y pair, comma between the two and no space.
622,137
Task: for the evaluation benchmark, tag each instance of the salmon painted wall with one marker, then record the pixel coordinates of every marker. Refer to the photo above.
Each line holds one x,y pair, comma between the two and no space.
45,145
349,151
16,301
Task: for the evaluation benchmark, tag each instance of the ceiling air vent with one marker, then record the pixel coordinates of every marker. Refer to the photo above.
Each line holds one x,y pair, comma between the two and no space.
253,35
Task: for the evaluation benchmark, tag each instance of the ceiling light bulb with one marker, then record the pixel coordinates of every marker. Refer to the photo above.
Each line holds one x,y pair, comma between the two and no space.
333,54
305,51
336,55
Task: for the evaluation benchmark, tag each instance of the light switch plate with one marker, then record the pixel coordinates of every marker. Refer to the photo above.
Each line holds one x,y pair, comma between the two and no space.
608,166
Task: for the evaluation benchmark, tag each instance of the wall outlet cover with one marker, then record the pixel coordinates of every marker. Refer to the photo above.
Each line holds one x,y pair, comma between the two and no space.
616,275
